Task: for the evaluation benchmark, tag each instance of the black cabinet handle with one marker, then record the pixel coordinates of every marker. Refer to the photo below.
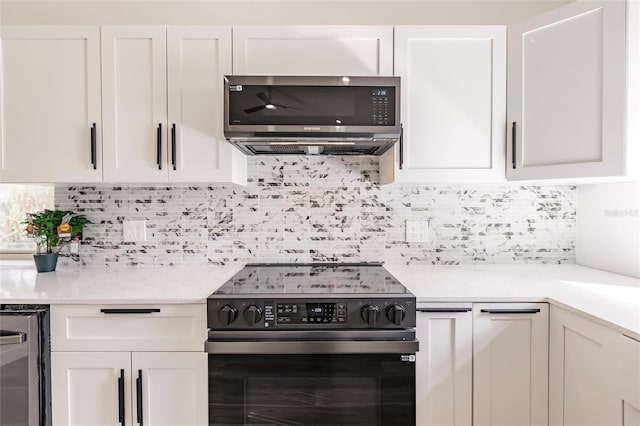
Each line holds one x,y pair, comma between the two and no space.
173,146
510,311
513,145
401,147
130,310
159,147
139,397
444,310
121,398
93,147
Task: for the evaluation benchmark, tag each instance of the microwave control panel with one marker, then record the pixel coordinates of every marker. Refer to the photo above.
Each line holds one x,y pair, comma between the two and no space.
380,101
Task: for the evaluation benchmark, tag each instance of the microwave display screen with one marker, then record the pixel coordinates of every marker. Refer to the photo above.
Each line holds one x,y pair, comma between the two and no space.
312,105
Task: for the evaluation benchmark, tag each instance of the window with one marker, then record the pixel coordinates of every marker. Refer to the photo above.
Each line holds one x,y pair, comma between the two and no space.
15,202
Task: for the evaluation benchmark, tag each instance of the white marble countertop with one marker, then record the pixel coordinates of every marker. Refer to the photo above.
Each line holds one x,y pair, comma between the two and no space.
20,283
611,299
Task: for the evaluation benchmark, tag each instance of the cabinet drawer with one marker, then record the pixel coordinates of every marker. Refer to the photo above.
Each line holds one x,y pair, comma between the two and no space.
128,327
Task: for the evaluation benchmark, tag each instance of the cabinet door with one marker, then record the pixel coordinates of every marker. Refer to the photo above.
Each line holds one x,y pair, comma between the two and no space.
50,100
453,103
86,391
582,372
443,365
198,58
173,388
134,103
510,364
313,50
629,375
567,93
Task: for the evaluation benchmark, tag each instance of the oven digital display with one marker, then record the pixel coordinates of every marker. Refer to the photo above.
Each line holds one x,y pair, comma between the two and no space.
311,313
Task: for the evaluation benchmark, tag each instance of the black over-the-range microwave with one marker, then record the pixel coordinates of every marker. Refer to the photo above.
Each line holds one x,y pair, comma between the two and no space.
312,114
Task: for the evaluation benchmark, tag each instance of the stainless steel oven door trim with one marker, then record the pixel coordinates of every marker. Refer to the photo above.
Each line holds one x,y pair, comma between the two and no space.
312,347
310,335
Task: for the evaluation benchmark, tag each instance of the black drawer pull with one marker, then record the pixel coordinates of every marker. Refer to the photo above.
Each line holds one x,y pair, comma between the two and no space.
444,310
159,147
139,397
513,145
401,148
173,146
94,161
130,311
121,398
510,311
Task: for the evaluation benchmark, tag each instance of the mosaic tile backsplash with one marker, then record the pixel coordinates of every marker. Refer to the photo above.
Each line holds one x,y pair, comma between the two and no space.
323,209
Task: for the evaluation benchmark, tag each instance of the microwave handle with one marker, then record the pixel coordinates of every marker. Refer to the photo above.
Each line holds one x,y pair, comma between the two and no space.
401,159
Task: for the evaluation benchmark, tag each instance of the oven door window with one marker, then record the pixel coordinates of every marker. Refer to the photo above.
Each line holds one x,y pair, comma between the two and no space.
313,390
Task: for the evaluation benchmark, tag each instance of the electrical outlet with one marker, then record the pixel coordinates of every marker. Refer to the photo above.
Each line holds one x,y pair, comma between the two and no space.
134,230
417,231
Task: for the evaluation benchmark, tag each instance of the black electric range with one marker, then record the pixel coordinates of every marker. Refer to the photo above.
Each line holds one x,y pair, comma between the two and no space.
311,296
312,344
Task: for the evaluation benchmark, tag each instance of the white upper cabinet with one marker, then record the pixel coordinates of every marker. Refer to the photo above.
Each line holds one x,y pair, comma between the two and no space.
452,104
134,86
198,58
313,50
573,80
162,102
50,101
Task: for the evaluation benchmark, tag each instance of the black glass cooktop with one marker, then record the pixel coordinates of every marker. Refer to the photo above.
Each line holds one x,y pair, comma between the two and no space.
312,279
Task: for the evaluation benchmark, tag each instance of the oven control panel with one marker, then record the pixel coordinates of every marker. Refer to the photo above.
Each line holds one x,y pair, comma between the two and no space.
295,314
310,313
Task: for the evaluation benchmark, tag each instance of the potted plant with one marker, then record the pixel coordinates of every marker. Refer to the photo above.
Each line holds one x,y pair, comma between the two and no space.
51,229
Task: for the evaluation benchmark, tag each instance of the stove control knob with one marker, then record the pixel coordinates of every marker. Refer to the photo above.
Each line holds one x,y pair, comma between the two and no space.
252,315
396,314
227,314
370,314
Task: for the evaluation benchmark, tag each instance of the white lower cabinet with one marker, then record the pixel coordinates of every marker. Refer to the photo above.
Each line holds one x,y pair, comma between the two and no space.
173,387
85,388
510,364
156,374
583,386
629,376
443,364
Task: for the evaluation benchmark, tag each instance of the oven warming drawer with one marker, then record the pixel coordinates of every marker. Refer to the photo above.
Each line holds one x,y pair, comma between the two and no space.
312,347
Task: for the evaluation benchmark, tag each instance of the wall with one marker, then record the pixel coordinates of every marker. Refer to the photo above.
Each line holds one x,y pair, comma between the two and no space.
300,209
608,227
267,12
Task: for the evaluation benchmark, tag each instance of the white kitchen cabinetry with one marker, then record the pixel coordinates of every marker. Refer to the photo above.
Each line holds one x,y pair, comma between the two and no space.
355,50
162,103
629,376
510,363
157,350
444,364
574,92
86,388
46,128
583,372
453,104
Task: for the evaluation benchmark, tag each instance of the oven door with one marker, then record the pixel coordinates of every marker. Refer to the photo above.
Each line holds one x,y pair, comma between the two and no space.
295,387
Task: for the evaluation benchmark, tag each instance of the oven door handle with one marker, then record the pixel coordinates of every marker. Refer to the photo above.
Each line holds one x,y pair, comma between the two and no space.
312,347
9,338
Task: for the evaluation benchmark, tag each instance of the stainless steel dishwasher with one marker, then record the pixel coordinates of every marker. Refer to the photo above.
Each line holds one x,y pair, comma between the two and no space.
25,388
